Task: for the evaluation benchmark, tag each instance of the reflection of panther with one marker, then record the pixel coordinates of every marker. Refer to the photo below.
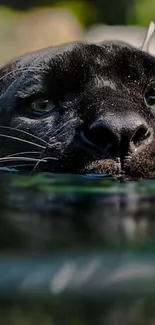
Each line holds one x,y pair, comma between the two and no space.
80,108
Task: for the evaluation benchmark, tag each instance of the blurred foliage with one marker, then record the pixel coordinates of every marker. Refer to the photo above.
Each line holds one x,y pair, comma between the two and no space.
110,12
144,12
95,11
86,12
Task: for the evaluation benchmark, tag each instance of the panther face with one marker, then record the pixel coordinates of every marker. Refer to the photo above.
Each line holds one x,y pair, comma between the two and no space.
80,108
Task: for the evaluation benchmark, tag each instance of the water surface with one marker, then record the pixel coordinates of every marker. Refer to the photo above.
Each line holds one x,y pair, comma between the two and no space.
76,250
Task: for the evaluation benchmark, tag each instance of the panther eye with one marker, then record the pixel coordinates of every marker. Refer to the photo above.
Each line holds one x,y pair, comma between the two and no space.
150,99
41,106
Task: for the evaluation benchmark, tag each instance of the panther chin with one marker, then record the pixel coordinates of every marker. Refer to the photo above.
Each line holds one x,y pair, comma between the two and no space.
129,169
138,163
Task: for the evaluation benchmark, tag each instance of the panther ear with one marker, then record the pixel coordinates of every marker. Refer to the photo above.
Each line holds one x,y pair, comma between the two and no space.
148,37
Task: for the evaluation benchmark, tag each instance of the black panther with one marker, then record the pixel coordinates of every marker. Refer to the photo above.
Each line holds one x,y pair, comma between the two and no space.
80,108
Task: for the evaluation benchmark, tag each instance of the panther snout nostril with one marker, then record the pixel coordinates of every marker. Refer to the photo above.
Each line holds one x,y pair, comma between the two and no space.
141,135
120,137
101,135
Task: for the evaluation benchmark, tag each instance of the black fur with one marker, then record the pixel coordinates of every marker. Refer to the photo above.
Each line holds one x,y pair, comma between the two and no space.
100,122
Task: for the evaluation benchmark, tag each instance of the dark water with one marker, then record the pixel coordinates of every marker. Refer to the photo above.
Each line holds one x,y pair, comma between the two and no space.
76,250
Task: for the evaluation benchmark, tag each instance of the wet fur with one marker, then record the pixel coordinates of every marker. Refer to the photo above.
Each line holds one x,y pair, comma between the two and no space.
86,82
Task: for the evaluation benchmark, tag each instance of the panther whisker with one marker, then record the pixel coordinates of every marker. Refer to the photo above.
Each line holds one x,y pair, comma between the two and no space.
63,126
23,152
24,132
16,166
21,140
89,106
41,160
4,159
21,70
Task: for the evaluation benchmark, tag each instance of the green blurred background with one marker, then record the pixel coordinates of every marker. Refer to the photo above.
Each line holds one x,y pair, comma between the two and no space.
33,24
93,11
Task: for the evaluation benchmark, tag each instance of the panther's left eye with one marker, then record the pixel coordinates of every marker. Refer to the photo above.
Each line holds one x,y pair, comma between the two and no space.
41,106
150,98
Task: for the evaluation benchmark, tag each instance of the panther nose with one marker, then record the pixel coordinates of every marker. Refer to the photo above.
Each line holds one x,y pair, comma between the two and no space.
119,137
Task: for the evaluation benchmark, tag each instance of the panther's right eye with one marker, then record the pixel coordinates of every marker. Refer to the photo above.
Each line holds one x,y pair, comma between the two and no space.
41,106
150,99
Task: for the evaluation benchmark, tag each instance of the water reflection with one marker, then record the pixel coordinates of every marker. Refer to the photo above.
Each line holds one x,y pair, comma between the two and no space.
62,213
46,212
